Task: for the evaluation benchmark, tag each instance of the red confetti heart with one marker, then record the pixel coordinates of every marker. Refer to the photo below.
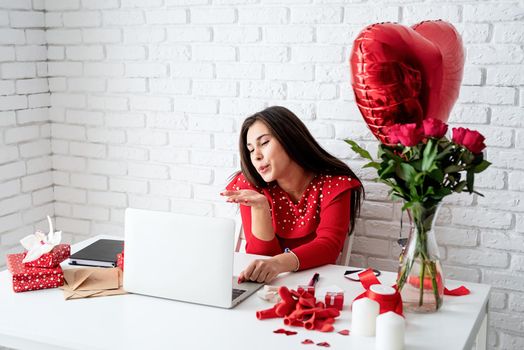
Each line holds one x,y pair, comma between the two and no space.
280,330
344,332
324,344
290,332
308,341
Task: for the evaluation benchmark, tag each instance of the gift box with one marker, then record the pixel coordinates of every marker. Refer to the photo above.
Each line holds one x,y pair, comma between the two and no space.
53,258
334,299
32,278
301,289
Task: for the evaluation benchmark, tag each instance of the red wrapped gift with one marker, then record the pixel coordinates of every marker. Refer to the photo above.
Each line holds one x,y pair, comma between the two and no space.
303,288
120,260
52,259
32,278
334,299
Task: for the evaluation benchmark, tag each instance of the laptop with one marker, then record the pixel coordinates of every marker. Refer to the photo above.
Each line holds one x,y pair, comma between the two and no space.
182,257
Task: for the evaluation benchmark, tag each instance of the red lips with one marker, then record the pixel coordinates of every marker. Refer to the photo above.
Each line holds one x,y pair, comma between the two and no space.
263,168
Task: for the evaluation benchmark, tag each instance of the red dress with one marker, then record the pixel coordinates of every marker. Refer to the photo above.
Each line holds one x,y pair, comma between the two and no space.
314,228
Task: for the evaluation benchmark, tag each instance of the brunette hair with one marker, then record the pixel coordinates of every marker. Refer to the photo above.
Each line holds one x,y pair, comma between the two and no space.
301,147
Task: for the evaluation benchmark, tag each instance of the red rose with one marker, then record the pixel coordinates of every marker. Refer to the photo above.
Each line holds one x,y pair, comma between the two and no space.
434,128
471,139
408,134
392,133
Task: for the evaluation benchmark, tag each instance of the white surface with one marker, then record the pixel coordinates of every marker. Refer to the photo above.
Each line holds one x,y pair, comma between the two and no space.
195,251
138,322
145,105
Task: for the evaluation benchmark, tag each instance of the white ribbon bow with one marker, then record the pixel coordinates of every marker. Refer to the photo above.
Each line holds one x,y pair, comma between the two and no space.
39,244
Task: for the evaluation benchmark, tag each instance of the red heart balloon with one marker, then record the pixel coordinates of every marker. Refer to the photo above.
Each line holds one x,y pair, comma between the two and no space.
404,75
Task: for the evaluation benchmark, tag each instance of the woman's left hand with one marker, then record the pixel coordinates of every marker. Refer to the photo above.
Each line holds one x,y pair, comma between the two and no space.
261,270
246,197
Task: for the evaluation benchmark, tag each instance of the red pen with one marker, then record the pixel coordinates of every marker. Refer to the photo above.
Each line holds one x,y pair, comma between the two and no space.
313,280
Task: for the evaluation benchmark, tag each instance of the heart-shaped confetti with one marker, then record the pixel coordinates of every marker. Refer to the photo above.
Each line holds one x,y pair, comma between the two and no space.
284,331
308,341
324,344
344,332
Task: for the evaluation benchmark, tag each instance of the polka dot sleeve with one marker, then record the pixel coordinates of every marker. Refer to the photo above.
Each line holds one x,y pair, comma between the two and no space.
240,182
253,244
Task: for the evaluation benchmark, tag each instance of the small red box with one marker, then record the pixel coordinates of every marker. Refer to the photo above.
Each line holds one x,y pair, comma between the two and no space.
32,278
334,299
51,259
303,289
120,260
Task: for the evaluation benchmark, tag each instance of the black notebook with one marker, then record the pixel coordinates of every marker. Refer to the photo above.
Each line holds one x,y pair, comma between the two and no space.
100,253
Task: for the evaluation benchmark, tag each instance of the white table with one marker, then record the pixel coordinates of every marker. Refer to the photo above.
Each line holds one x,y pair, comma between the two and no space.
43,320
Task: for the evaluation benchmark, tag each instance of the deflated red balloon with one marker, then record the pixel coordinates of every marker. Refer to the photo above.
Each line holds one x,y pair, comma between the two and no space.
405,75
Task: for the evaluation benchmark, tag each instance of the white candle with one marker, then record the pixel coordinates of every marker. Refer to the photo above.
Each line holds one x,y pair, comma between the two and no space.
382,289
390,331
363,319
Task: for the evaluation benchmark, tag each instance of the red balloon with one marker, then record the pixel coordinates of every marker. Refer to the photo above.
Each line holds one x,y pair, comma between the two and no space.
404,75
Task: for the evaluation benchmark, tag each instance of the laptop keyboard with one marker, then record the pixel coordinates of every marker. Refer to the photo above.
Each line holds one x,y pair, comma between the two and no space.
237,293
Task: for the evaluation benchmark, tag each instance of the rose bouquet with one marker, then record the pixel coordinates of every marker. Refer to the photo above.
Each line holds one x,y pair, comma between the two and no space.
422,166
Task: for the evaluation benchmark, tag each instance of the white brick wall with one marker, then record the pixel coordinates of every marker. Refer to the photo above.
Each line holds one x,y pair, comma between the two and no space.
26,184
147,97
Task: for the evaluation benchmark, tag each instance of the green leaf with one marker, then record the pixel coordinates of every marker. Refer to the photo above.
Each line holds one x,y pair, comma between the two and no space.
470,177
467,156
395,189
389,154
407,205
406,172
482,166
413,192
442,192
417,165
447,150
419,178
453,169
437,175
429,155
460,186
359,150
430,190
480,194
375,165
386,169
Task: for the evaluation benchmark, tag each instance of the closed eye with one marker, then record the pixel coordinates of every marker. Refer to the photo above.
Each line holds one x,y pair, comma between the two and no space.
261,144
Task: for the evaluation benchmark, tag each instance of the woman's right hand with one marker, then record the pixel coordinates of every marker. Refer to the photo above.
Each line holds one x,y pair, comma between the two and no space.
261,271
246,197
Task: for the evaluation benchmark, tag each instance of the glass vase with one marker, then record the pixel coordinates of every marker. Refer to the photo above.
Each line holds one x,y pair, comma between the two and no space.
420,279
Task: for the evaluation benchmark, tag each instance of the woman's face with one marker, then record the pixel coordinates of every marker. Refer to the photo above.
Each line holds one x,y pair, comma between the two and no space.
267,154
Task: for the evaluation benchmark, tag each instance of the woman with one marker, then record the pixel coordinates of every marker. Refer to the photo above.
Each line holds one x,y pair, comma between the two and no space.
297,201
